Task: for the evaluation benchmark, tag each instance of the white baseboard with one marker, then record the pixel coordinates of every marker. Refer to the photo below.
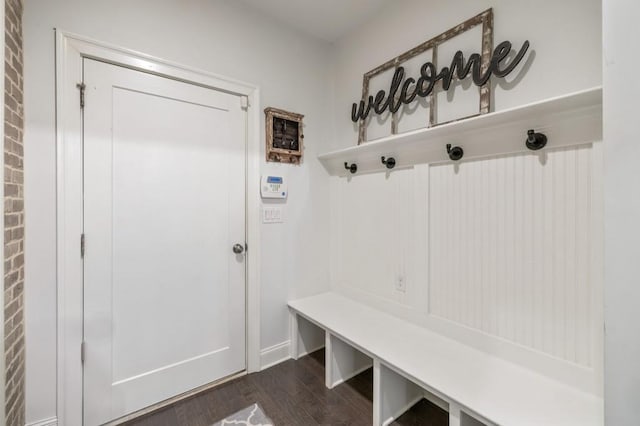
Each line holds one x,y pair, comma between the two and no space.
274,355
52,421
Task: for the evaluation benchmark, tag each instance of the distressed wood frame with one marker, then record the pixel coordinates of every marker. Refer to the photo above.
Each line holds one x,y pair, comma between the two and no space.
280,155
486,19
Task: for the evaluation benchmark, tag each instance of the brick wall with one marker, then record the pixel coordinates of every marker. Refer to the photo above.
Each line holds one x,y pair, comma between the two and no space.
13,217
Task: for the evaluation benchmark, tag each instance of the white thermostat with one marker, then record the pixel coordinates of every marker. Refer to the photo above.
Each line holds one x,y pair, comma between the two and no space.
273,187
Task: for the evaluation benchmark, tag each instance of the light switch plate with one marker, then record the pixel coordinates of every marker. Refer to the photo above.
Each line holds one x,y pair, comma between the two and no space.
272,214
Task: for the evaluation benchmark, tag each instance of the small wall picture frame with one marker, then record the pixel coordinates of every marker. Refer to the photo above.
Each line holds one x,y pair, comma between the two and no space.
284,136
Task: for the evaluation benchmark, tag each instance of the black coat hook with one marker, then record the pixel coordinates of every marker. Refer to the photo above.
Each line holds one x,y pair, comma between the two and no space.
352,168
455,153
389,162
535,141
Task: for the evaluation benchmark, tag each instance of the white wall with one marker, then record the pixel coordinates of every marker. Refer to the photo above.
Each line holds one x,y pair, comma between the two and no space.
217,36
622,210
389,226
565,39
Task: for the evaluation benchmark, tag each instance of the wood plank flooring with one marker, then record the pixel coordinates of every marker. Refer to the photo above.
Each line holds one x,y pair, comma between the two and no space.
291,393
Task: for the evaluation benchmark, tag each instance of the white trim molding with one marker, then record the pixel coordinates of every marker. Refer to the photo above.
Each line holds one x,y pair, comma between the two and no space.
2,336
275,354
51,421
70,51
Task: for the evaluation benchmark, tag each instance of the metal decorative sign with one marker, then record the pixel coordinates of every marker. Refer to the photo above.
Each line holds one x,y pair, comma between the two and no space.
404,90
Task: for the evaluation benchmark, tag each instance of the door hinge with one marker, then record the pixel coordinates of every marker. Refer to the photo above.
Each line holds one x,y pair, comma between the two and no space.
244,102
82,245
82,352
81,87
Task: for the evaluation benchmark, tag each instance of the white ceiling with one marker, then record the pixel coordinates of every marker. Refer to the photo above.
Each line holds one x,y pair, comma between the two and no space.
325,19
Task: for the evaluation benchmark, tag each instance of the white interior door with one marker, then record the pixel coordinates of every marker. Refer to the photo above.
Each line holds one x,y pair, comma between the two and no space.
164,202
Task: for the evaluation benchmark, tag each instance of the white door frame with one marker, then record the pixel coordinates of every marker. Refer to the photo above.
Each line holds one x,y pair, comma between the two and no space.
70,51
2,336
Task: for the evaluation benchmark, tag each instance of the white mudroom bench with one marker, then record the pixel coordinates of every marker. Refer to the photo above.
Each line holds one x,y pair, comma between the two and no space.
411,362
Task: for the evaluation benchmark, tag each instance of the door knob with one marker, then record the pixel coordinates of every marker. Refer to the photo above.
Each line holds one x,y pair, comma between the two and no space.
238,248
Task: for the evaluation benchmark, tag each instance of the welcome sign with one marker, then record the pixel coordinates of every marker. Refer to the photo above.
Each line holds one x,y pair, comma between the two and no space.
406,89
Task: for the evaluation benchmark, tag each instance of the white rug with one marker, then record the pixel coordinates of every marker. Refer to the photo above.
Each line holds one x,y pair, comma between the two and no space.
250,416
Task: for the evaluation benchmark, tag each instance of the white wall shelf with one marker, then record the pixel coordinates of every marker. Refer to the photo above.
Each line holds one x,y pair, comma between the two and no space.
567,120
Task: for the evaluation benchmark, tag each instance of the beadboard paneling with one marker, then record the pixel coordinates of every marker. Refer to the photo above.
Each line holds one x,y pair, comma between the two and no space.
510,242
371,222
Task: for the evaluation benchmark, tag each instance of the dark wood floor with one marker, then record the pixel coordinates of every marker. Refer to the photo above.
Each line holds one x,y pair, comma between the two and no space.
290,393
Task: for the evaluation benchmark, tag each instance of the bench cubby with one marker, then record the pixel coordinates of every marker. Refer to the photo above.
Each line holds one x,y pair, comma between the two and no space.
392,394
307,337
343,361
